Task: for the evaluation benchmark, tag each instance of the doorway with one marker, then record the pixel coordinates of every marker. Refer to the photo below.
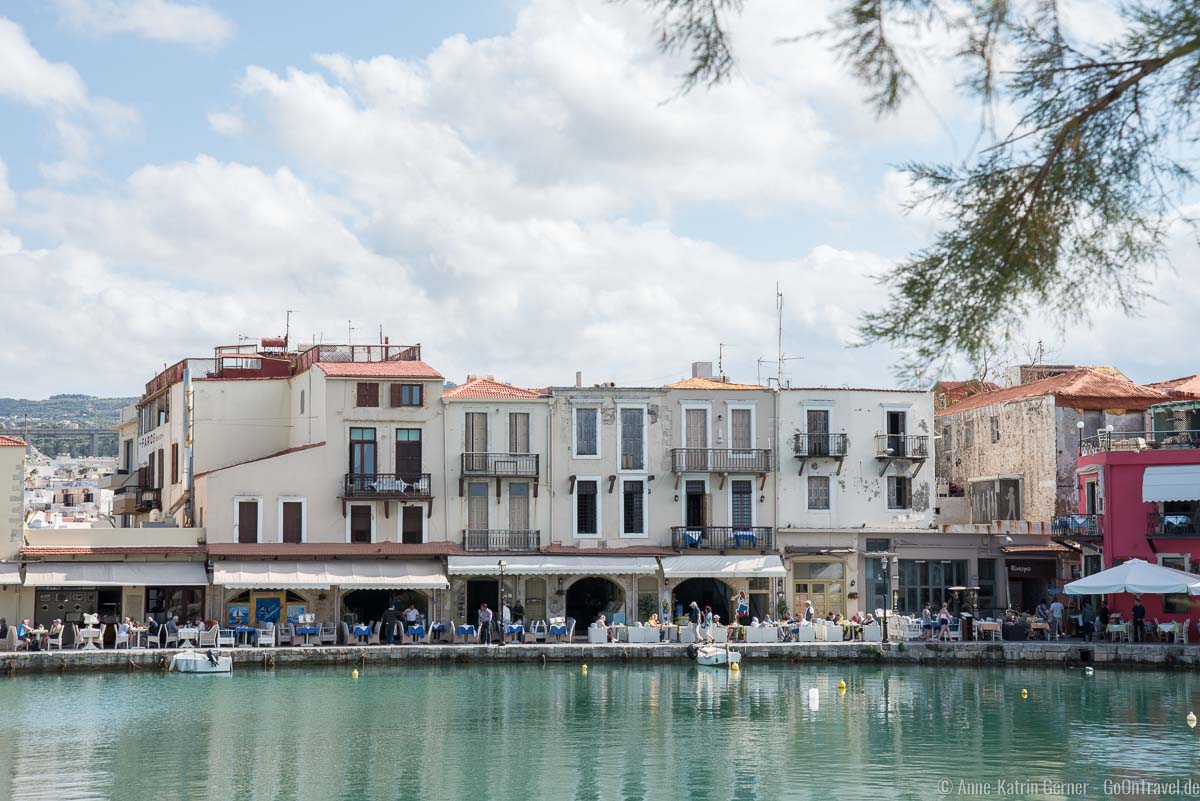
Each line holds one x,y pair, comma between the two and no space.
590,597
412,524
705,592
482,591
408,455
897,427
368,606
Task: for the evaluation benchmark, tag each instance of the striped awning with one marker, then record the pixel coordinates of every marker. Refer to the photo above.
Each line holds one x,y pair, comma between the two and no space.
382,574
1175,482
553,565
10,573
115,574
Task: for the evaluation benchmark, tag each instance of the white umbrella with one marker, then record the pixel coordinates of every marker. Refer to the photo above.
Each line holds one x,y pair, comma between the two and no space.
1137,576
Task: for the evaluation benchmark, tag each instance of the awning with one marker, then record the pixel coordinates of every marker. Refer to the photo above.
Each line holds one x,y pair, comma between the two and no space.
723,566
1051,548
115,574
349,575
270,575
553,564
10,573
1176,482
386,575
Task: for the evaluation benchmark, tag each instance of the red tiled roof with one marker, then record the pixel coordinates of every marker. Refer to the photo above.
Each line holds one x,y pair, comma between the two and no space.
490,388
283,452
11,441
1186,387
628,550
710,383
396,369
953,392
330,549
110,550
1082,388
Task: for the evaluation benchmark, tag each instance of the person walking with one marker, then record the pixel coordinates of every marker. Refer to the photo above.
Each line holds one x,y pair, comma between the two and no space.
389,625
694,619
1139,620
1056,617
485,624
1088,621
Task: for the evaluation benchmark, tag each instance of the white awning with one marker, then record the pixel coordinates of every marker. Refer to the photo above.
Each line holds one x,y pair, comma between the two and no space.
552,565
386,575
270,575
10,573
723,566
115,574
1176,482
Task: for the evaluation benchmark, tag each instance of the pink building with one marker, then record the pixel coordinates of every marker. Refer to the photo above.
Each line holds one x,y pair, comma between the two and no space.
1140,498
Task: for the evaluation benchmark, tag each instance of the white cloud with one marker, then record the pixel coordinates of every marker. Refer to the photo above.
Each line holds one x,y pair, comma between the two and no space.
226,123
8,199
179,22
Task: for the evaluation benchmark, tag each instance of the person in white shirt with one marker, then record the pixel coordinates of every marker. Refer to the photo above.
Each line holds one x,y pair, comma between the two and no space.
1056,615
505,615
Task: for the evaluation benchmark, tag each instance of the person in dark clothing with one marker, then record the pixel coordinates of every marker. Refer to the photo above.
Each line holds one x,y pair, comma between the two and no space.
3,628
389,625
1139,620
1102,617
518,613
485,625
694,616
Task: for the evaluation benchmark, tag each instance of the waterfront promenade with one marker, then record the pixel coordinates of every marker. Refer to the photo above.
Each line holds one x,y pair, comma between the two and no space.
1070,654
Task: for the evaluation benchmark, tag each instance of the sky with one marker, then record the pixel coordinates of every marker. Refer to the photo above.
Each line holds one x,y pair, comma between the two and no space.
518,186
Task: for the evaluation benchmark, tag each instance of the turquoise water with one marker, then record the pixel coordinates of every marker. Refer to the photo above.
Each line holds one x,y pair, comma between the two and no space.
624,731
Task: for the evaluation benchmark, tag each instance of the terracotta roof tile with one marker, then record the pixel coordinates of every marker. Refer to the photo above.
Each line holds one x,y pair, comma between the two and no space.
711,383
1083,388
490,388
396,369
331,549
110,550
11,442
1186,387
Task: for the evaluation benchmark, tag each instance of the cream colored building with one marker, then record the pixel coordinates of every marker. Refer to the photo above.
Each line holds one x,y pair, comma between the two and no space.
12,484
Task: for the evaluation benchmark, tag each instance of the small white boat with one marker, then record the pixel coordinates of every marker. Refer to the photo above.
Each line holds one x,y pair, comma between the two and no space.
197,662
713,656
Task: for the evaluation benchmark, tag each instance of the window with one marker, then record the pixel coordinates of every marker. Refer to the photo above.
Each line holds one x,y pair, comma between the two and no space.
362,456
412,524
174,462
817,428
818,493
878,585
476,429
518,432
995,428
926,581
947,438
477,506
633,439
587,440
968,433
987,586
408,454
406,395
518,506
587,507
899,492
127,456
741,429
741,502
246,519
1175,603
368,393
291,521
361,523
165,602
633,508
878,545
301,401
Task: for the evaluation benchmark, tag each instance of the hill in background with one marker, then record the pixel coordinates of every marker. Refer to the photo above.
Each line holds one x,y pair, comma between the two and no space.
63,411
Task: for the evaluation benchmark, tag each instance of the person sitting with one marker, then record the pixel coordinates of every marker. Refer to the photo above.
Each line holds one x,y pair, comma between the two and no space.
869,620
173,624
152,627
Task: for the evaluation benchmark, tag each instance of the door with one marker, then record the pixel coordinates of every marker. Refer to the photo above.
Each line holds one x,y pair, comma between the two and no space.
477,432
360,523
518,432
696,438
818,431
742,511
1090,502
477,506
518,507
482,591
412,524
362,457
293,521
535,599
408,455
897,427
247,521
739,429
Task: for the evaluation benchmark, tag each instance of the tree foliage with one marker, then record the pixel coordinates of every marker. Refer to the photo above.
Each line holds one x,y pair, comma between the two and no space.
1061,213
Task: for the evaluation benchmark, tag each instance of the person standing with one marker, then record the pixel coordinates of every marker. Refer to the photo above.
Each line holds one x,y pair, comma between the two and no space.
389,625
1056,617
809,612
485,624
694,619
411,616
1139,620
1087,619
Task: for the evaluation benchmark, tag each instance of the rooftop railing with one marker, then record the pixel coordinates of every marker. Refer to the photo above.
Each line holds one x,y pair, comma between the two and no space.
1105,441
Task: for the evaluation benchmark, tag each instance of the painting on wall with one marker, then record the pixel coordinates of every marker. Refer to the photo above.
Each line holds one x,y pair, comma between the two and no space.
267,608
239,614
995,499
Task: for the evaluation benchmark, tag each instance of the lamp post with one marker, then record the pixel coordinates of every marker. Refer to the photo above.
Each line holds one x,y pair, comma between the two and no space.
500,604
883,563
1079,428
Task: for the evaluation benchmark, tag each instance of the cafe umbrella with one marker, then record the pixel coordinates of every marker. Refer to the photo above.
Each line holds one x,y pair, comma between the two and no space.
1139,577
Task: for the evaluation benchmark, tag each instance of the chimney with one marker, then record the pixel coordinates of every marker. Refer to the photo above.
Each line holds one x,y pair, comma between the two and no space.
702,370
472,376
578,378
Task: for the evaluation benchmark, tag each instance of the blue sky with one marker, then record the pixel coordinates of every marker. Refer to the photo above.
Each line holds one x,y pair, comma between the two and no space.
500,181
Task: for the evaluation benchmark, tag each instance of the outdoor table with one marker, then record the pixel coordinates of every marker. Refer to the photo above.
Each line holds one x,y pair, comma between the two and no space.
988,628
515,629
186,635
672,631
1036,626
692,538
437,630
745,538
1170,629
136,635
1115,629
41,636
467,630
90,635
247,632
363,633
559,630
307,631
416,632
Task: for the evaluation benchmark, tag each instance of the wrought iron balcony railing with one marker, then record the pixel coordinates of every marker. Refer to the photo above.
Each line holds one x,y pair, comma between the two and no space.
1139,441
723,538
387,485
500,464
807,446
501,539
1168,525
1080,525
901,446
721,460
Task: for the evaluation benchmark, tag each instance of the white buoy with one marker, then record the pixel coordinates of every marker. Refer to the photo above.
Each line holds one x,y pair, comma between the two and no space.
814,698
1087,671
1191,720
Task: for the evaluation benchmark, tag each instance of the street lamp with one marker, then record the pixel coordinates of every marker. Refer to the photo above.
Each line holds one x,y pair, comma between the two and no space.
883,563
1079,428
500,604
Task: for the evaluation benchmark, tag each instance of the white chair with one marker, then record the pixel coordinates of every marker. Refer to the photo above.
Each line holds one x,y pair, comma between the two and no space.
834,632
1181,632
872,633
374,638
597,635
53,642
266,636
913,629
956,630
167,638
537,631
226,638
719,633
347,637
687,635
119,639
283,634
806,634
328,634
208,637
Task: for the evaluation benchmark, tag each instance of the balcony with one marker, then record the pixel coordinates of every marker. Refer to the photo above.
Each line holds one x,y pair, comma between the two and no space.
1161,526
721,460
1136,441
723,538
1078,526
901,446
136,500
387,486
501,465
501,540
810,446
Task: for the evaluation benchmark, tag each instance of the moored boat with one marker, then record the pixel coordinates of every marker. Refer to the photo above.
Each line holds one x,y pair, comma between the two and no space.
714,656
197,662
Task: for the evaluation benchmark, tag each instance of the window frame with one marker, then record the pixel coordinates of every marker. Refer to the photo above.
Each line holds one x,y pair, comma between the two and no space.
733,479
828,507
396,392
907,495
645,532
513,416
238,499
508,504
594,408
400,521
350,516
730,406
303,501
575,533
359,386
706,406
643,408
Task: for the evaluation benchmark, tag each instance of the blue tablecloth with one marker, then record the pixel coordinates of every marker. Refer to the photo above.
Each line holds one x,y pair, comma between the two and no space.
468,631
744,537
308,629
416,632
692,538
437,627
362,631
244,629
558,630
516,628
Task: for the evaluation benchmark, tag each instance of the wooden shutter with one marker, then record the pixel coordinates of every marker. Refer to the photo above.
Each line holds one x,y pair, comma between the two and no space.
174,462
247,521
162,468
412,524
697,422
477,432
360,523
518,432
396,399
293,521
368,393
518,507
707,509
739,437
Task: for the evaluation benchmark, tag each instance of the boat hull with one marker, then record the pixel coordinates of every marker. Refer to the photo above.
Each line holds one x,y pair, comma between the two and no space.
195,662
716,657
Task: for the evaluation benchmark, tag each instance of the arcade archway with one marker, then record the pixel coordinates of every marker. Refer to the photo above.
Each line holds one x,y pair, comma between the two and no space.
705,592
588,597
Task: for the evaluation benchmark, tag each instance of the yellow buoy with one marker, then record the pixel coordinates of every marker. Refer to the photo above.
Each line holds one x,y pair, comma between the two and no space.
1191,719
354,673
841,684
1024,693
585,668
734,667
